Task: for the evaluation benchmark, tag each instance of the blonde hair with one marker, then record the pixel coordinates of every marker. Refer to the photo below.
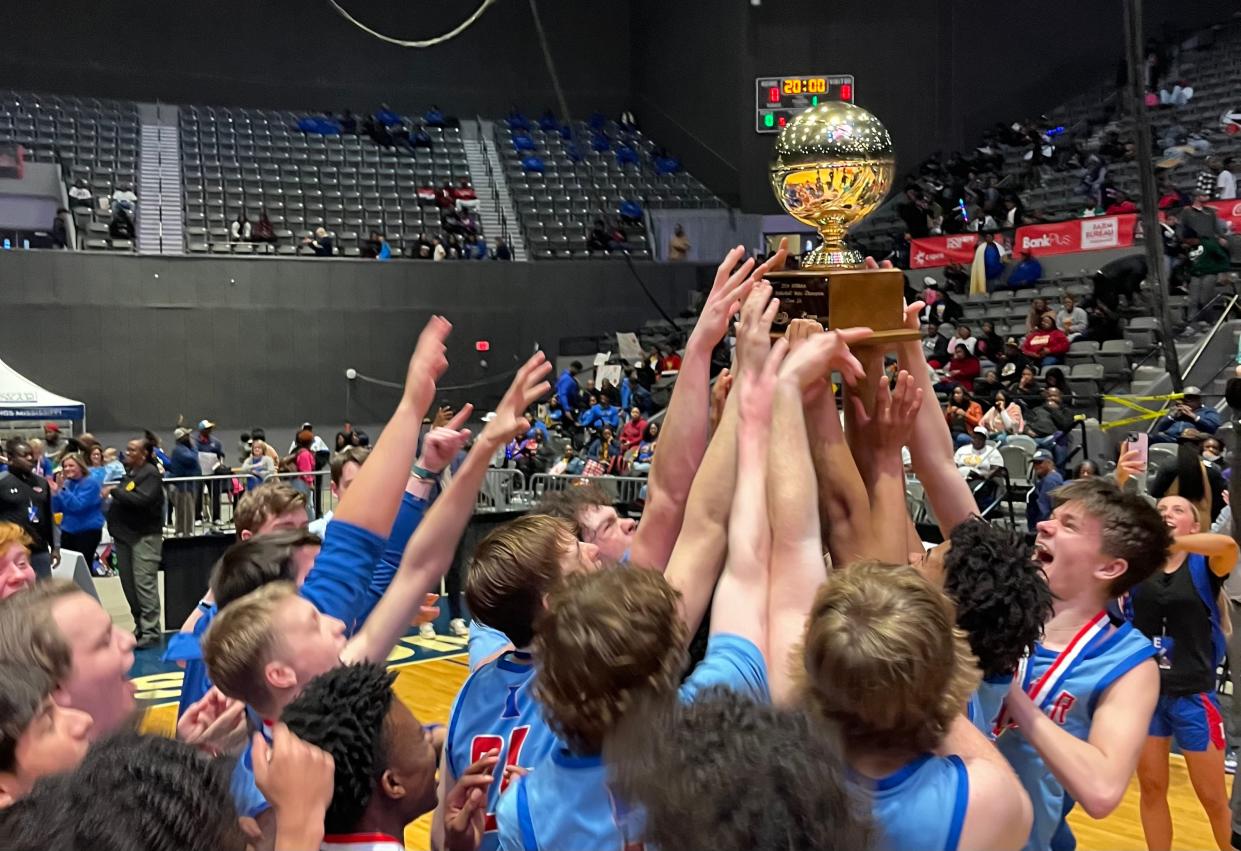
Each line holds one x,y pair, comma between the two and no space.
605,641
238,643
11,533
883,660
263,503
28,631
513,568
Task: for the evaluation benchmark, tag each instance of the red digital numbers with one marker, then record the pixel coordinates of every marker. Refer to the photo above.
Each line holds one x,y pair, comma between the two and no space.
846,92
773,95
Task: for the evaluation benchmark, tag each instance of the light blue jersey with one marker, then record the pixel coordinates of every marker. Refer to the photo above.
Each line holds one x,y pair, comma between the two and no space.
986,701
922,806
564,803
484,643
1110,656
496,709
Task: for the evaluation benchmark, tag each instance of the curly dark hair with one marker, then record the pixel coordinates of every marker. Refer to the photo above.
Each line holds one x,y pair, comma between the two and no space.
343,712
162,795
731,774
1001,593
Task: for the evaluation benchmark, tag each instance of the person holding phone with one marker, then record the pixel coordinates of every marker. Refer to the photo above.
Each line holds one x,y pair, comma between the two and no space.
1177,608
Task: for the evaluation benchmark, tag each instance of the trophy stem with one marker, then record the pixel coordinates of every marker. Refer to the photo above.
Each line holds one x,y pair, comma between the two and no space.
832,253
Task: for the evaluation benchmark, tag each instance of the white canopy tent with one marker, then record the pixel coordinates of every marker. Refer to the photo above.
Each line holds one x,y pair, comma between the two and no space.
22,401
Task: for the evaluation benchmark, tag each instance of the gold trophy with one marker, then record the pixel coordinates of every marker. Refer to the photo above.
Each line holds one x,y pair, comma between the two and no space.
833,165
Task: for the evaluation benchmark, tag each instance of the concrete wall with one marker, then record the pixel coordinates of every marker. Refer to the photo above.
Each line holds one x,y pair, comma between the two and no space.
266,341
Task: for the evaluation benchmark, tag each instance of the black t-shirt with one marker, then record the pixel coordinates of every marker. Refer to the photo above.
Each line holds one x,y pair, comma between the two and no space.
1167,606
27,501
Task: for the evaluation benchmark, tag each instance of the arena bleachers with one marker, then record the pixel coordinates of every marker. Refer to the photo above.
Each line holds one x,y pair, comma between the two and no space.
558,206
253,159
95,140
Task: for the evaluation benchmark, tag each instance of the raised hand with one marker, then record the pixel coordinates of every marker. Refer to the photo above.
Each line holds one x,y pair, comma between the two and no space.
465,805
443,414
294,777
891,425
754,330
215,724
759,389
510,414
819,354
429,361
728,291
442,443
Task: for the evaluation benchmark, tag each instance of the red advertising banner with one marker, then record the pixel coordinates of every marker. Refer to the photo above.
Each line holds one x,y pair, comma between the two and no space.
1229,211
942,250
1075,235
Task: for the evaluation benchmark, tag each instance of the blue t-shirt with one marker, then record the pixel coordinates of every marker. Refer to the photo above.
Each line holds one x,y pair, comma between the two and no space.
565,803
986,701
1109,657
496,709
922,806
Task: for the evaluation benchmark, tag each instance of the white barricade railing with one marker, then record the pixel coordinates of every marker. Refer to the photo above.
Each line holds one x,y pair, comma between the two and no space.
502,490
196,504
622,489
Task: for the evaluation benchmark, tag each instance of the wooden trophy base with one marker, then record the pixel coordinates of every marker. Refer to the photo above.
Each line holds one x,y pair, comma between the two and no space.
844,298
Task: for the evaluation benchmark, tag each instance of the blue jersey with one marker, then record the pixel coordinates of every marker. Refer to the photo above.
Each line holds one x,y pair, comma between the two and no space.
921,807
1109,657
247,798
484,643
565,802
986,701
496,709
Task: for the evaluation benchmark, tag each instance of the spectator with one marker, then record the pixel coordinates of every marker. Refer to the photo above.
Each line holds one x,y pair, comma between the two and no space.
321,243
259,466
678,245
990,345
604,413
78,498
1003,419
136,522
988,265
598,238
263,230
935,345
670,361
633,430
1199,220
26,500
962,414
961,370
1226,182
1047,344
940,306
42,464
51,439
1187,414
1071,319
121,226
569,465
438,252
502,251
978,461
302,460
377,247
984,388
1209,268
606,450
113,469
80,196
240,229
1121,205
1038,309
60,229
568,391
964,337
1048,478
1085,470
184,464
464,196
1124,276
124,199
913,212
1026,273
645,455
422,247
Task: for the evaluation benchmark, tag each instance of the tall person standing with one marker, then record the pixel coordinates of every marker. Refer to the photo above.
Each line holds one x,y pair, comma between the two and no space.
136,521
26,499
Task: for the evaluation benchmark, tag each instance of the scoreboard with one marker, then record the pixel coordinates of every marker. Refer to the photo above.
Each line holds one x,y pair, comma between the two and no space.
779,99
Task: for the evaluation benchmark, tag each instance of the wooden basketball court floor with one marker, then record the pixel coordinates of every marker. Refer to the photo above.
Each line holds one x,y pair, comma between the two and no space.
428,686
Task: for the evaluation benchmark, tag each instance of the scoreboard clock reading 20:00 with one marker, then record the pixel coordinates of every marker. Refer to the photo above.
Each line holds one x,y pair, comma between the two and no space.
778,100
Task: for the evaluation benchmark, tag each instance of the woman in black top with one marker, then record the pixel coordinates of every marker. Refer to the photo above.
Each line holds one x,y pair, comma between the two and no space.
136,522
1176,607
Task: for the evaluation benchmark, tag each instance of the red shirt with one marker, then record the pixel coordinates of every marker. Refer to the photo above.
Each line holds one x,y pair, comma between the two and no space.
963,371
1054,341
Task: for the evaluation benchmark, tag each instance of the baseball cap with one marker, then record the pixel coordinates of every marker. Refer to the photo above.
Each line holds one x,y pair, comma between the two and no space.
180,432
930,282
51,427
202,424
981,430
307,425
1192,390
1041,455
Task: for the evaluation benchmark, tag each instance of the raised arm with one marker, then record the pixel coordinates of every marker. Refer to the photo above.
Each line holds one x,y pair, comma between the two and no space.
429,552
931,446
686,427
1220,550
372,500
698,556
740,606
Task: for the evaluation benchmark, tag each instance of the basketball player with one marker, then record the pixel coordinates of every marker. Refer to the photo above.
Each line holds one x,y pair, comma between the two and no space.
263,648
612,638
1083,700
384,763
37,736
1177,608
61,630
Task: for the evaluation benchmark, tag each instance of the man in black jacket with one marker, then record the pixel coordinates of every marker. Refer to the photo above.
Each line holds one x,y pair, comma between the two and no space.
136,521
26,499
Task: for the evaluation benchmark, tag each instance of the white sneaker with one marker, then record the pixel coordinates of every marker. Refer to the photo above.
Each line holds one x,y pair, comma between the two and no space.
427,630
458,628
